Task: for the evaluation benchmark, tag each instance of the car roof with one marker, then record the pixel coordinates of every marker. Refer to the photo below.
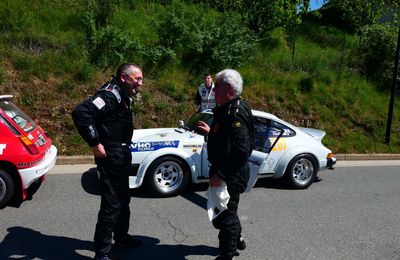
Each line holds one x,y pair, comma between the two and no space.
257,113
5,97
263,114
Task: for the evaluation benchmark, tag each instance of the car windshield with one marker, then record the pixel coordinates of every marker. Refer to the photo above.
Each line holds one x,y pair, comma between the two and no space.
19,117
191,123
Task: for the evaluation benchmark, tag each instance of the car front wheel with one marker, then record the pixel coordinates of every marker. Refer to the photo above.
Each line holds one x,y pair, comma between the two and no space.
301,171
167,176
7,188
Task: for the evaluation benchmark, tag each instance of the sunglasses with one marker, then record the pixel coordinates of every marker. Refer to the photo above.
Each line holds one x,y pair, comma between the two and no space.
133,79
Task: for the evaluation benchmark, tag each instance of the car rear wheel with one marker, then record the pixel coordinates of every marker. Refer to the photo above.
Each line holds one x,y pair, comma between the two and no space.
167,176
7,188
301,171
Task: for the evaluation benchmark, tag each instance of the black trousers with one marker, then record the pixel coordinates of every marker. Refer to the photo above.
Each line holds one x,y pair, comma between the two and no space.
114,210
228,223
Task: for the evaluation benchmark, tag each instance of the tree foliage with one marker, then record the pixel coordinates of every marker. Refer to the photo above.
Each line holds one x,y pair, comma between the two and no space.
266,15
201,42
376,52
104,41
376,23
358,13
263,15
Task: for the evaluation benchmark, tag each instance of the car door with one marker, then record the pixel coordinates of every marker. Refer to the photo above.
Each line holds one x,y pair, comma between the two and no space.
269,148
205,164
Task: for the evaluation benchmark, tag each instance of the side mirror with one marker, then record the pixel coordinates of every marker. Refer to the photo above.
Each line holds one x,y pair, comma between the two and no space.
181,124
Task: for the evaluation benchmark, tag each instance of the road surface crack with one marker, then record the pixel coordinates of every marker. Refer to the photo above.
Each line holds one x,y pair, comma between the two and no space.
179,236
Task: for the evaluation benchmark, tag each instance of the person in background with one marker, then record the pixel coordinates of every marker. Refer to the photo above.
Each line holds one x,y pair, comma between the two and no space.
205,97
105,122
230,144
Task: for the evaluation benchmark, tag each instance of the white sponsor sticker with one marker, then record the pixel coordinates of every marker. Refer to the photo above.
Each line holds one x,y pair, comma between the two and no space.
2,147
99,102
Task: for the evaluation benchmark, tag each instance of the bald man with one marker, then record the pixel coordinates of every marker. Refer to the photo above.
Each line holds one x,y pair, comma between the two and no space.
105,122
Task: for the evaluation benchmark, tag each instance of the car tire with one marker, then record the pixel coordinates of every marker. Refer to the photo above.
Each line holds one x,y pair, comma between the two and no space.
7,188
301,171
167,176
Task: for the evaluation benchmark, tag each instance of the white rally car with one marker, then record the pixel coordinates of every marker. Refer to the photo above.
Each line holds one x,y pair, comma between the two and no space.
166,159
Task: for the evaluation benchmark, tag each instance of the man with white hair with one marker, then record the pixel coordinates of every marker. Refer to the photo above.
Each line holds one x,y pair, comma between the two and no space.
230,143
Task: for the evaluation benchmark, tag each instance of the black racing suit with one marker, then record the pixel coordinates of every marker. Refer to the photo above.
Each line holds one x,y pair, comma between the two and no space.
107,119
230,143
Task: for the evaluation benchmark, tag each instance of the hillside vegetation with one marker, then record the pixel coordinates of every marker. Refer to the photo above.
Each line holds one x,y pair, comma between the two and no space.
56,53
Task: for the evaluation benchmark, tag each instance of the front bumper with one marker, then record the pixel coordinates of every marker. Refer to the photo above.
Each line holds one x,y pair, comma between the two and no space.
30,175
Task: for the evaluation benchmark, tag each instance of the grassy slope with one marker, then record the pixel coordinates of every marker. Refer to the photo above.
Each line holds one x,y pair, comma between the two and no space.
44,65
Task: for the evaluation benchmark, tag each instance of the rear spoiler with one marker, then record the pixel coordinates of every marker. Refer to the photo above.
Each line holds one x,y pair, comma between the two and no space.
5,97
315,133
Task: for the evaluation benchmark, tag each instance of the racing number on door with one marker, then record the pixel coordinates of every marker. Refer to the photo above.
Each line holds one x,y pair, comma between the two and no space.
280,145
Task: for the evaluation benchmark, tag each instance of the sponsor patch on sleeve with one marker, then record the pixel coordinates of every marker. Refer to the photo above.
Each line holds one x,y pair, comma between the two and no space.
99,102
110,87
236,124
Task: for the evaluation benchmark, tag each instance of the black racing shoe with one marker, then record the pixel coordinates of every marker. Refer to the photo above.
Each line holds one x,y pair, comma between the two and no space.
128,241
102,257
241,244
317,179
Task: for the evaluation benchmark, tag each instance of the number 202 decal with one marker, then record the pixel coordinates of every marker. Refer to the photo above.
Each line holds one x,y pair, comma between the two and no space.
280,145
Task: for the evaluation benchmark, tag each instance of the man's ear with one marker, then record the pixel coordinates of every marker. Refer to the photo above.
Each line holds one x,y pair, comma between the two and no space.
229,91
122,77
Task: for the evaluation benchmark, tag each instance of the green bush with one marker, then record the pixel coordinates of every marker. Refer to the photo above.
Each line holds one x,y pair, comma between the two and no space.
3,75
188,37
85,73
376,52
306,84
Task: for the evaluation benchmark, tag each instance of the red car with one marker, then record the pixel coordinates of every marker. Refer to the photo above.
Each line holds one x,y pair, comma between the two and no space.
26,153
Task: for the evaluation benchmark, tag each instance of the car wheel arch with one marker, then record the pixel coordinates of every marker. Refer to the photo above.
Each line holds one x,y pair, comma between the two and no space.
178,163
12,170
180,155
301,171
288,156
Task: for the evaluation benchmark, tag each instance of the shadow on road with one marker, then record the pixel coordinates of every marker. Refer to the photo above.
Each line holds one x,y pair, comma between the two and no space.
195,198
151,249
25,243
278,184
90,184
90,181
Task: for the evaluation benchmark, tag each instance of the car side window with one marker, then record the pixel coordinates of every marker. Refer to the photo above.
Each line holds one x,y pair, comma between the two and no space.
19,117
12,128
287,132
262,142
265,130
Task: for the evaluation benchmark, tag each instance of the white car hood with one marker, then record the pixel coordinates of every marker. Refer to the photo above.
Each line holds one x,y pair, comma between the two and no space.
161,134
148,140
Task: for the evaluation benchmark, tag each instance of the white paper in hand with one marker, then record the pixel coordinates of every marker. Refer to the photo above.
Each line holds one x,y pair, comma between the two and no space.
217,200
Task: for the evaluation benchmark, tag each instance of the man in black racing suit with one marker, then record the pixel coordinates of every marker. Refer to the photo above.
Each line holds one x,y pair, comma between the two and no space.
105,122
230,143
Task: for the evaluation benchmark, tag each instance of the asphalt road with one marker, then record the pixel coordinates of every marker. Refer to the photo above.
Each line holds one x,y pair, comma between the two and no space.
353,213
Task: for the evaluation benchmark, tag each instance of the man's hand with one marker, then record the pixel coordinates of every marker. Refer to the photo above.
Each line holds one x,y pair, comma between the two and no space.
203,126
215,181
98,151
